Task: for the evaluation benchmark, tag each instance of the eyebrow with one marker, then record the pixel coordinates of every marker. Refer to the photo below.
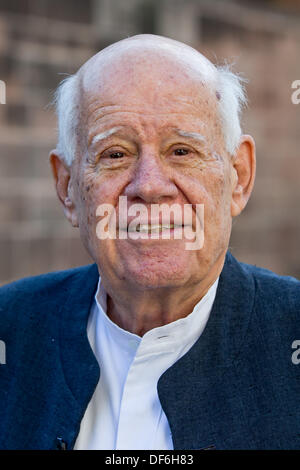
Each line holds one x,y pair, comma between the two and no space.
104,135
191,135
114,130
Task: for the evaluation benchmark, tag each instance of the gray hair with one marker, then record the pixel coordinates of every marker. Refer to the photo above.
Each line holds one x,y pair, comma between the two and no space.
231,101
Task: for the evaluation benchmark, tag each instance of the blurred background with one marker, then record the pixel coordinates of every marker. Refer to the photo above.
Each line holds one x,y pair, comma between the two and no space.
41,40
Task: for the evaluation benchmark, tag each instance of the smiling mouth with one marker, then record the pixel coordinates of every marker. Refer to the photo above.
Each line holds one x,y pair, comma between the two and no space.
153,228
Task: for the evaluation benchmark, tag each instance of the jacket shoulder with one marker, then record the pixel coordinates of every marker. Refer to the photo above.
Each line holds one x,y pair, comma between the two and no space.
283,290
33,284
276,306
27,293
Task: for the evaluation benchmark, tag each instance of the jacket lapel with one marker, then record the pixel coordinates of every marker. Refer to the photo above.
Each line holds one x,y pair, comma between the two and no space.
199,393
80,367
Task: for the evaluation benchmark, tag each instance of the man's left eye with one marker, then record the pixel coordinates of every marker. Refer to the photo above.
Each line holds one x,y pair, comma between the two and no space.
181,151
116,155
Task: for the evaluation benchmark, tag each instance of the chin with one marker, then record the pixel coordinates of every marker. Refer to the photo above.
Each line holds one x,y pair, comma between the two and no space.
158,277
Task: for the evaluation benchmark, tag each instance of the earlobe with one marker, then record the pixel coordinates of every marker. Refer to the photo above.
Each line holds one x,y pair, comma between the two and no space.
62,178
244,167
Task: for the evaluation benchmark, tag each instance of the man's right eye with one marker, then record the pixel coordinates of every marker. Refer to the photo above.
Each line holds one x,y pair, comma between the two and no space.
116,155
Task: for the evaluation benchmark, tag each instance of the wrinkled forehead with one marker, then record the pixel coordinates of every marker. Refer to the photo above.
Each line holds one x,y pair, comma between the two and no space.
151,67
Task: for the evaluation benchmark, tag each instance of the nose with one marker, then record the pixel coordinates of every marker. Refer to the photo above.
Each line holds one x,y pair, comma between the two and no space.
151,180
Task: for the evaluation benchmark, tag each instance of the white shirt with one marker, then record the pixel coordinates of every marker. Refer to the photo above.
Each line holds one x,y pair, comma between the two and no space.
125,411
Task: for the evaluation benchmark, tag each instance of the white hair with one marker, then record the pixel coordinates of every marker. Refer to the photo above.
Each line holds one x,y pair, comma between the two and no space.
67,104
232,101
230,95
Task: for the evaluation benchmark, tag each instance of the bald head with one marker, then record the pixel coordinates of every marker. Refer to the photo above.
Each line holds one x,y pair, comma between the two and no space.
143,50
137,68
145,62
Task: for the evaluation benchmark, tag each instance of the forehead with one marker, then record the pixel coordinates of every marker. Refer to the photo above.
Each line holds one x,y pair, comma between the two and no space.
140,85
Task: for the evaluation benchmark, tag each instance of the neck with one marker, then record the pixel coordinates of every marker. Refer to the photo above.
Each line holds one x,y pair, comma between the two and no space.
139,311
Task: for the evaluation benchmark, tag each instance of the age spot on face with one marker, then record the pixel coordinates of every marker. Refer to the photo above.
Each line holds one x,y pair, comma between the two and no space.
217,157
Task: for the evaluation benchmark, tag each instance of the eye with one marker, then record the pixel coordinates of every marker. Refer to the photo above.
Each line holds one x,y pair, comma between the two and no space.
181,151
116,155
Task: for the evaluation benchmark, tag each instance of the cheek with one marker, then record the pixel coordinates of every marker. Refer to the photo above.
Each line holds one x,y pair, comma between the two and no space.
91,191
218,190
86,191
212,189
220,204
208,187
104,187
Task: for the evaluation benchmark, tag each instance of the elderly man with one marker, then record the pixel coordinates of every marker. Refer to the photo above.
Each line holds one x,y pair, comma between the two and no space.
166,342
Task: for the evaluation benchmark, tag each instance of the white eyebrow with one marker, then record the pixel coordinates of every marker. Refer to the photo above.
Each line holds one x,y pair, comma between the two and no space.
192,135
104,135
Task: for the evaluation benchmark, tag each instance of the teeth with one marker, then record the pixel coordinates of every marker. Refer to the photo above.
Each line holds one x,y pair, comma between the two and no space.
153,228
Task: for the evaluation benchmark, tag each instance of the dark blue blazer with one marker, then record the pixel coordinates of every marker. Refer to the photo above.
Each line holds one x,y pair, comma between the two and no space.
236,388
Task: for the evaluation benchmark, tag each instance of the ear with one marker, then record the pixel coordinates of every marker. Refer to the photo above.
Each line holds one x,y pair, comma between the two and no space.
244,167
62,178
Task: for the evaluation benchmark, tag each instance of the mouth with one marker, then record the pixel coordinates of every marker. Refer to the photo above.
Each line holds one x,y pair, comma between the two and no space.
154,228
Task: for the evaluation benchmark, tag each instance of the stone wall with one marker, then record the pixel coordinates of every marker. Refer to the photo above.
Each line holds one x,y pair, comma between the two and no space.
41,41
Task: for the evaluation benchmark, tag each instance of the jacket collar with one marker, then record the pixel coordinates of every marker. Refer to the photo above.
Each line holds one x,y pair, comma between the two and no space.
191,391
80,367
